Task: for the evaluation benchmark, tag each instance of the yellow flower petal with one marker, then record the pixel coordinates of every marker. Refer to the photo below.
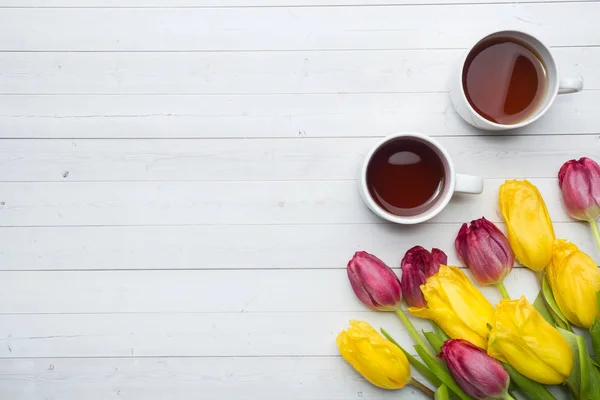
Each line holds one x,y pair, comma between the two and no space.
574,279
377,359
529,228
521,337
456,306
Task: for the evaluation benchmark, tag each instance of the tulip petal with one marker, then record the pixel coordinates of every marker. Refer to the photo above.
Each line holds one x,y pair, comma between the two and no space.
377,359
579,181
529,228
575,279
451,324
521,337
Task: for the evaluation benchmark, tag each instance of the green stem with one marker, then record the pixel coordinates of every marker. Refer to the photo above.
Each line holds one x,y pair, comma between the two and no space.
509,397
413,332
502,290
419,366
424,389
596,231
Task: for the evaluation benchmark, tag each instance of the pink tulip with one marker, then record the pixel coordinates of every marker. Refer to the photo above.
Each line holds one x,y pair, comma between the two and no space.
374,283
417,265
478,374
483,248
579,181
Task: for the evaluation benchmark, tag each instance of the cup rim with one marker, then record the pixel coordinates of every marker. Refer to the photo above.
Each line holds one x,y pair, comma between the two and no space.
552,92
415,219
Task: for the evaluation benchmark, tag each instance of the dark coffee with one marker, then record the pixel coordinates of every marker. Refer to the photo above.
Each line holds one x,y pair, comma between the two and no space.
405,177
504,80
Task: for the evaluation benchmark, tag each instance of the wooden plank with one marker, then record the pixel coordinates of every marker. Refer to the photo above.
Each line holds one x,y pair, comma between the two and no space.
308,378
230,247
237,3
223,203
207,378
381,27
268,72
214,291
185,335
269,159
287,116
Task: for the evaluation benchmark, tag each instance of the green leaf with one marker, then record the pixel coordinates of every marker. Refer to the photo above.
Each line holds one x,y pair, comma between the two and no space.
442,373
584,381
439,332
442,393
540,305
598,298
595,333
531,389
435,342
418,365
574,381
590,380
559,318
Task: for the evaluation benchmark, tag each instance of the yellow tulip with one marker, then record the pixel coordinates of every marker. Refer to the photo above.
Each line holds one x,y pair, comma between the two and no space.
523,338
530,231
456,306
377,359
574,279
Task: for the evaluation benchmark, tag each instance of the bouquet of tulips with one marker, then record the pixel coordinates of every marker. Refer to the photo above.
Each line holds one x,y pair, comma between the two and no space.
475,349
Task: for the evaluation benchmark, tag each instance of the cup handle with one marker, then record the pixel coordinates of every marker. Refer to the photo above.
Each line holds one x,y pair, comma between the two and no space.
468,184
570,85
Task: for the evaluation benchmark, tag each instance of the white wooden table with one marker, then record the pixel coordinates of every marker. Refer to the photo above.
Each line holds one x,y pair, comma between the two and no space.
177,182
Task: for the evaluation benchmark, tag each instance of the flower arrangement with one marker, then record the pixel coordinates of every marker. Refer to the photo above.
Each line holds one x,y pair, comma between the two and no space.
477,350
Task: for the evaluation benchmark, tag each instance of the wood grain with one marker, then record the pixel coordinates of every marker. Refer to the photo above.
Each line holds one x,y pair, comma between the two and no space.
270,116
248,72
206,378
230,247
279,334
213,291
224,203
229,29
299,159
236,3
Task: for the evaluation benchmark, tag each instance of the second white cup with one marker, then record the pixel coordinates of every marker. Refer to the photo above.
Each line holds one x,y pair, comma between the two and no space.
555,85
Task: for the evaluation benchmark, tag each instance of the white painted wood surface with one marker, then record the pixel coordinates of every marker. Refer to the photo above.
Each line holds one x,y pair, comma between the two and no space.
178,182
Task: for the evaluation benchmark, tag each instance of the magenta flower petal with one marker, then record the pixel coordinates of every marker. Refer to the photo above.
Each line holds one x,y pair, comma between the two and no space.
373,282
579,182
478,374
483,248
417,265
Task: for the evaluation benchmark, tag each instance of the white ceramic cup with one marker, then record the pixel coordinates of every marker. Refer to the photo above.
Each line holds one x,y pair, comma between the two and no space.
555,84
453,182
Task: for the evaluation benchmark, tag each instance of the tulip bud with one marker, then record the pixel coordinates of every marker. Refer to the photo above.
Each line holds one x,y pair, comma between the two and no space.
377,359
478,374
374,283
456,306
417,265
485,250
521,337
575,280
530,231
579,181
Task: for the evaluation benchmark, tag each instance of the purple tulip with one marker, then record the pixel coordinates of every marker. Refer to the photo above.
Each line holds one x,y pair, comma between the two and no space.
478,374
374,283
579,181
483,248
417,265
